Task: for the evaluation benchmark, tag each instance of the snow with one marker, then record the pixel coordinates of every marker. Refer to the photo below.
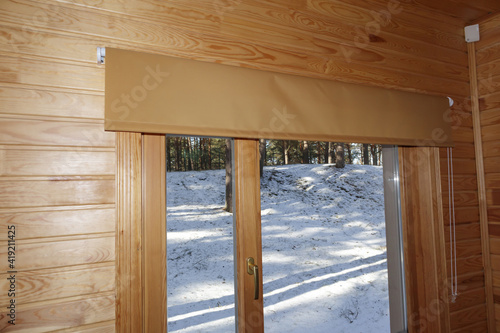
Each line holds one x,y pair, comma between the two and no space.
324,255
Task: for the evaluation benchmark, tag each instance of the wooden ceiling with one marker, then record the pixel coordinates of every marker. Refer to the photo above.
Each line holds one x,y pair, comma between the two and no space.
467,11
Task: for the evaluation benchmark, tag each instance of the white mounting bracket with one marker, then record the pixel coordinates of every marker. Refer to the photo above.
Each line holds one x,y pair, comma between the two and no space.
101,54
472,33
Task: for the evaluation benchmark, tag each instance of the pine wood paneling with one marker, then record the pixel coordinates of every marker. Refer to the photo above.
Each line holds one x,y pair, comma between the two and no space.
101,327
60,133
460,182
49,284
468,316
50,316
50,73
468,298
53,253
34,193
479,327
495,245
494,229
74,19
38,162
464,231
462,214
66,221
17,100
471,264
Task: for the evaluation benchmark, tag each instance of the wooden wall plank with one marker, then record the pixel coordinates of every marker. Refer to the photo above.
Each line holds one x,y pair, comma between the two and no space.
26,193
54,133
42,285
460,182
52,316
50,103
292,37
60,253
466,231
67,222
462,214
76,20
479,327
468,265
493,180
51,74
468,316
467,299
491,148
494,229
467,248
461,166
462,198
51,163
495,245
101,327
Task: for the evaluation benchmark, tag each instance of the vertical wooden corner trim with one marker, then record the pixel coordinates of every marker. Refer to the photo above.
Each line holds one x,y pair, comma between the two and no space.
481,187
424,243
154,233
248,233
129,314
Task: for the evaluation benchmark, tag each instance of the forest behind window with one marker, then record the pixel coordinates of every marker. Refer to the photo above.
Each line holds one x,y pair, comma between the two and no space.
197,153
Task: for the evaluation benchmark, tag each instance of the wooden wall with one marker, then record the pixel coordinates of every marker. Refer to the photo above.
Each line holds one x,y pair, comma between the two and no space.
57,166
488,77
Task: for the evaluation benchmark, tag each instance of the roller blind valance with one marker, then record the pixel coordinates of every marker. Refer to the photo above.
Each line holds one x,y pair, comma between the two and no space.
160,94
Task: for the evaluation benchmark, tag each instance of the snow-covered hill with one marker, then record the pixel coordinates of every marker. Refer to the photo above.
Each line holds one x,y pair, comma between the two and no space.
324,255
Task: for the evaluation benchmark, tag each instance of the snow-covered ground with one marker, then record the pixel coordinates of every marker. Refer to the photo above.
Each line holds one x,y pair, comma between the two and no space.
324,255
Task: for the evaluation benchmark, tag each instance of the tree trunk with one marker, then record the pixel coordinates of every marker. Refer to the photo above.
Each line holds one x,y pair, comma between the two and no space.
349,153
228,207
169,160
209,154
286,149
319,152
374,154
262,151
190,154
305,153
177,143
366,157
331,152
339,155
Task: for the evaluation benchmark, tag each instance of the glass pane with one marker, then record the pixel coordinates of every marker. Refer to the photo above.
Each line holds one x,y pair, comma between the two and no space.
323,235
200,269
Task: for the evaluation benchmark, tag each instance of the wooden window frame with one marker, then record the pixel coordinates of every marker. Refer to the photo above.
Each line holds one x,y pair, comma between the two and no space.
141,237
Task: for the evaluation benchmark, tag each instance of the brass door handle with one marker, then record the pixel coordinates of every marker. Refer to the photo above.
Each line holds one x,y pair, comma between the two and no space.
253,269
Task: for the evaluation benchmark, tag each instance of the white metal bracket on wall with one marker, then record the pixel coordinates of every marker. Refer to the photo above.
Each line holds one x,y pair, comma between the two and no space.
101,54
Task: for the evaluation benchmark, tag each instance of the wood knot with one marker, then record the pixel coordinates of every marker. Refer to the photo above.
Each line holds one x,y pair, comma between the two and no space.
375,39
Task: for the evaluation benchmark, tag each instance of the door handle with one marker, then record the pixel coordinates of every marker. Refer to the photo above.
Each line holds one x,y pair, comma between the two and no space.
253,269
